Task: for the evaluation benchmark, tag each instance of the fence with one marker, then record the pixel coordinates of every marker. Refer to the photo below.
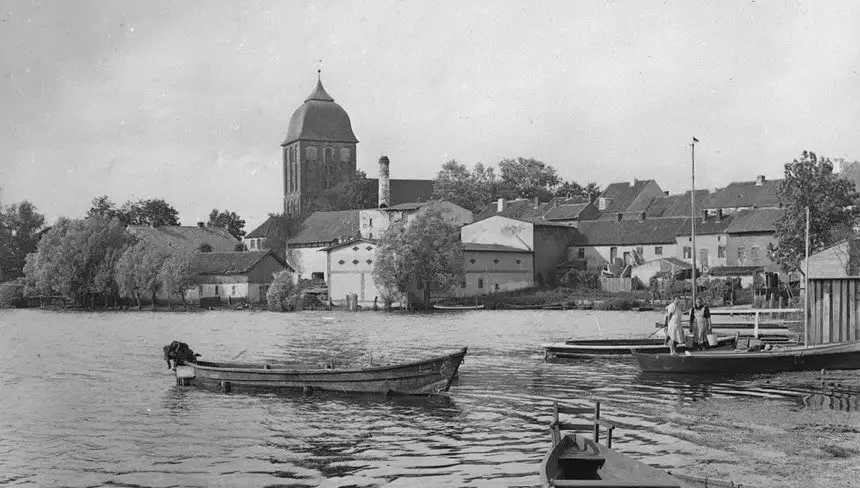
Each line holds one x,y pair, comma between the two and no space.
616,285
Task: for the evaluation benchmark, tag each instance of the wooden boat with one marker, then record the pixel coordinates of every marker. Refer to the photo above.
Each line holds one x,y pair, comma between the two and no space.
575,461
611,348
418,377
844,355
438,306
739,328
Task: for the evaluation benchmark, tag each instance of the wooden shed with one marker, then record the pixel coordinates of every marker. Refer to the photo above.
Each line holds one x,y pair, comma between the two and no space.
834,294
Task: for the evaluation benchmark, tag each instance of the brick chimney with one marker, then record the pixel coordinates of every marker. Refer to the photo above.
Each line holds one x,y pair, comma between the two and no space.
759,180
384,182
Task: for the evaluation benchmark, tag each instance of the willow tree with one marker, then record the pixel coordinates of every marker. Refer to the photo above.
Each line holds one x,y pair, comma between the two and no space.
425,253
810,182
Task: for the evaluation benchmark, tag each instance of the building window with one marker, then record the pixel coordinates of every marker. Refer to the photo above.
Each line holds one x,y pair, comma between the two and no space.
216,289
580,253
688,252
344,154
311,153
742,253
233,290
318,276
658,250
472,261
496,261
518,261
371,223
754,252
496,286
721,251
328,154
480,282
640,251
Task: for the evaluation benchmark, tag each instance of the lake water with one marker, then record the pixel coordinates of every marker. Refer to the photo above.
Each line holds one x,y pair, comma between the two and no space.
87,400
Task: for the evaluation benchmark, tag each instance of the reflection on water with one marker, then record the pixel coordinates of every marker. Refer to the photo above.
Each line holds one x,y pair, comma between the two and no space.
88,401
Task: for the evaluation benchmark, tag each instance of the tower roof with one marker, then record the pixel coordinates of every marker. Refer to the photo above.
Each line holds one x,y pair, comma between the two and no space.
320,119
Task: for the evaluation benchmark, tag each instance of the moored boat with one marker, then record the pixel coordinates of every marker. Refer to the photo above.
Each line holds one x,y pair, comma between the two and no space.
612,348
422,377
439,306
844,355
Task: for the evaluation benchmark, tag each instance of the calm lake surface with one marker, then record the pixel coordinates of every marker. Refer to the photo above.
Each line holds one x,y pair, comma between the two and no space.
87,400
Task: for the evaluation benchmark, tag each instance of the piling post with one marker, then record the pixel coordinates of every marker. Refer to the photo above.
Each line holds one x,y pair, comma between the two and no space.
596,418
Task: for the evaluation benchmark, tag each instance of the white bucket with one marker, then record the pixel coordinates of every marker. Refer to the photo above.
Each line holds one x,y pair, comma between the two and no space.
712,340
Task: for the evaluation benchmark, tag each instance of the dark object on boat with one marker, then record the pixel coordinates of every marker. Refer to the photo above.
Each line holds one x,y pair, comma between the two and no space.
844,355
419,377
612,348
180,353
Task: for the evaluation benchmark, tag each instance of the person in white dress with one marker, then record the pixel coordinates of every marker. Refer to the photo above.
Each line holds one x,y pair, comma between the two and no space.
674,329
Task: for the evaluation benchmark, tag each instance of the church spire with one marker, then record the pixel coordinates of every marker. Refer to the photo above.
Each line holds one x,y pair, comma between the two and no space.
319,92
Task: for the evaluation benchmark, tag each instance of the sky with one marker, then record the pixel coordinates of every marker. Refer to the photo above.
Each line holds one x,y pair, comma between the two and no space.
189,101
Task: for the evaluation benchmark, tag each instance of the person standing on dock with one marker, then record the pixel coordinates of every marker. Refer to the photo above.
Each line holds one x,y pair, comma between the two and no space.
674,329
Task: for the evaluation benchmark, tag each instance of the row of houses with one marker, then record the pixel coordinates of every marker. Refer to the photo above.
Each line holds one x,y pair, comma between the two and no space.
521,243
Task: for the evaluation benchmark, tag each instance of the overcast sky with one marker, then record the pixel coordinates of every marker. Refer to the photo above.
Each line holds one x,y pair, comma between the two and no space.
190,101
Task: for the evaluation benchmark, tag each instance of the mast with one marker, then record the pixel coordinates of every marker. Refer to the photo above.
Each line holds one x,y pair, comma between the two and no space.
806,285
693,214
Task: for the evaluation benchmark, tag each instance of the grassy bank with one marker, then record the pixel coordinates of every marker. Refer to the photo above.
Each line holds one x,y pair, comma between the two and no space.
560,298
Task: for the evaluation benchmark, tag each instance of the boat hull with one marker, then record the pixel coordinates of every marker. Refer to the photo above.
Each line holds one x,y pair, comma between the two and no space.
799,358
560,468
419,378
458,307
612,348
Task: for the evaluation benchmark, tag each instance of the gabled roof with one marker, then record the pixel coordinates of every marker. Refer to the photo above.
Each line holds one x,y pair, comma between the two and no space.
350,242
755,220
674,205
623,195
628,232
228,263
326,228
262,230
405,191
186,238
709,227
473,246
745,194
512,209
571,212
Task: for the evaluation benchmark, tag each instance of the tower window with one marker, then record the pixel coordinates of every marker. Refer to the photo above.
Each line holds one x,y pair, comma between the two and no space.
328,155
344,154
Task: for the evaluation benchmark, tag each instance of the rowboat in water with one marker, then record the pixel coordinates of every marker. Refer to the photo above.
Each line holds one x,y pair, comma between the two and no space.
412,378
576,461
612,348
845,355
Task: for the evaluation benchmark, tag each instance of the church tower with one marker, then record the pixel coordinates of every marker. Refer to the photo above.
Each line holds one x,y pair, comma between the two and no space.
319,150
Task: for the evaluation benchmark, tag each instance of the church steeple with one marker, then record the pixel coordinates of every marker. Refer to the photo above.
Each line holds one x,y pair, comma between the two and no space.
319,92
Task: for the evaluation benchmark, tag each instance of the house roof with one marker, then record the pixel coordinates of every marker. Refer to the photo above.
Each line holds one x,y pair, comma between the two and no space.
709,227
628,232
623,195
755,220
745,194
672,205
327,227
473,246
227,263
566,212
405,191
262,230
407,206
186,238
349,243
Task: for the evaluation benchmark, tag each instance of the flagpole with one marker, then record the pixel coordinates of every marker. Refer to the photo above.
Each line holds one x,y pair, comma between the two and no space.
806,285
693,214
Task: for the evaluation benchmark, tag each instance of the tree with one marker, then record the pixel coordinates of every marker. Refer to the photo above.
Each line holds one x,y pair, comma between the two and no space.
178,273
283,294
20,230
204,247
154,212
228,220
139,271
104,207
810,182
357,193
528,178
470,189
75,257
574,189
425,252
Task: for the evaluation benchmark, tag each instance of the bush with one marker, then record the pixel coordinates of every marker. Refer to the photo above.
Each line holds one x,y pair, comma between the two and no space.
619,304
581,279
283,294
12,294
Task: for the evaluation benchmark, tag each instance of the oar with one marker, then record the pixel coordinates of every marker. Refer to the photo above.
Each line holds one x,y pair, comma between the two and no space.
237,356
